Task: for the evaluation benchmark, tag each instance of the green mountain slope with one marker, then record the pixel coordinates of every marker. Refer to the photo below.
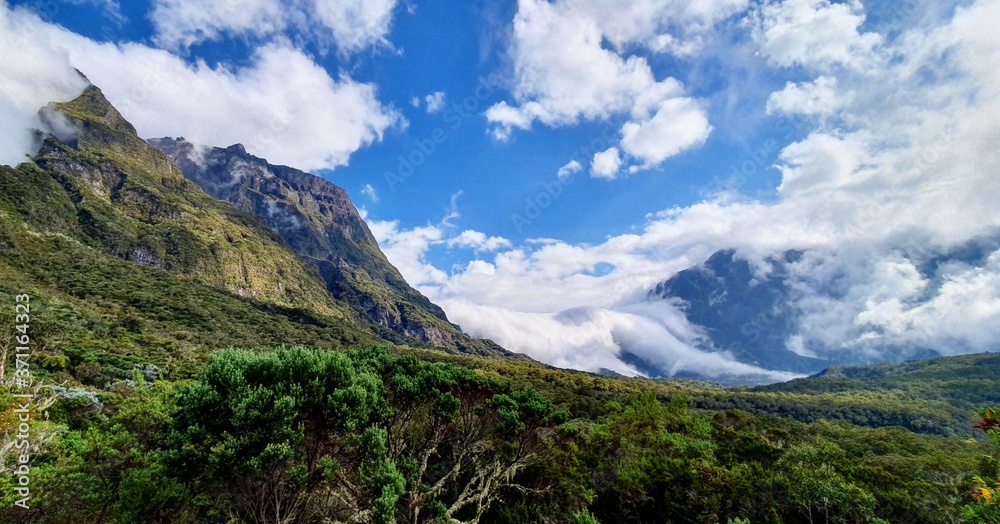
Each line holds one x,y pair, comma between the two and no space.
131,263
111,191
319,221
939,395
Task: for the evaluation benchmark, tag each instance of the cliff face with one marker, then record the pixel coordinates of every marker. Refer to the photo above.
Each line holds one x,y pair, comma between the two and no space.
319,221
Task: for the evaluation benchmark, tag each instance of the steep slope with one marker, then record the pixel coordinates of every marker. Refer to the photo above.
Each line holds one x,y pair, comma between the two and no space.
129,262
103,185
319,221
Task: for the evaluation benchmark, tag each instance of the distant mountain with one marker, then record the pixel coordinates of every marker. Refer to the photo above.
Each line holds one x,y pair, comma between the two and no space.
744,313
319,221
753,314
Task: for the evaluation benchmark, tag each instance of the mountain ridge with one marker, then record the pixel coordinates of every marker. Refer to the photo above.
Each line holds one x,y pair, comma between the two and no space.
319,221
105,229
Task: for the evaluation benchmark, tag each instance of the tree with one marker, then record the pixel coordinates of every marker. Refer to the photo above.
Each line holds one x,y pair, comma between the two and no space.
358,436
985,508
818,487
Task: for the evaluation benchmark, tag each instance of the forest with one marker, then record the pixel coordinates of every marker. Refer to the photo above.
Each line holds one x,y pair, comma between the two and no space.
299,435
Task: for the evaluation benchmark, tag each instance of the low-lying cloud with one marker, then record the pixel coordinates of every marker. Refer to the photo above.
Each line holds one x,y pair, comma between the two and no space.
899,170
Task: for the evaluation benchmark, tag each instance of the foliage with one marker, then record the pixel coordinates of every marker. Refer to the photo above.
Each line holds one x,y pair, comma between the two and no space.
985,508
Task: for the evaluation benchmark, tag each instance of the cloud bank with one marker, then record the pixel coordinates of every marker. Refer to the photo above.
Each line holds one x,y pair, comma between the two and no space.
898,171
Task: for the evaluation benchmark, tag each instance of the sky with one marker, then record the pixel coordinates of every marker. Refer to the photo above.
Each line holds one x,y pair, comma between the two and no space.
535,167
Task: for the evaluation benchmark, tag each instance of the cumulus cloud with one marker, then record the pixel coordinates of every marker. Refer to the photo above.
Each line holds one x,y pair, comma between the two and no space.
162,95
435,101
899,172
354,25
564,74
679,124
606,164
479,241
815,34
817,98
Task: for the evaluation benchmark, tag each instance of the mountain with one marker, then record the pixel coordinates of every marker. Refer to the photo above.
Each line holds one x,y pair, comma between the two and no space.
319,221
129,263
754,314
744,313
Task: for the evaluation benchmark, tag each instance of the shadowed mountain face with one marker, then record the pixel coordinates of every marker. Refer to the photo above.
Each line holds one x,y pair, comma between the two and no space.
754,314
747,314
319,221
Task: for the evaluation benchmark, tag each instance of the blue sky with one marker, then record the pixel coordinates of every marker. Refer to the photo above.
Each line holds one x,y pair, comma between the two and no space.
450,47
862,130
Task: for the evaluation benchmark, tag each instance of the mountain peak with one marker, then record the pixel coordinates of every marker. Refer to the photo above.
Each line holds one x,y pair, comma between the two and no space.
92,107
237,148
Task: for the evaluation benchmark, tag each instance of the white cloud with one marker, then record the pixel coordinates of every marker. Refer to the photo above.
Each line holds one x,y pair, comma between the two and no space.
571,167
817,98
564,74
679,124
606,164
354,25
479,267
34,74
906,171
276,105
816,34
479,241
435,101
821,162
370,192
676,26
407,249
181,23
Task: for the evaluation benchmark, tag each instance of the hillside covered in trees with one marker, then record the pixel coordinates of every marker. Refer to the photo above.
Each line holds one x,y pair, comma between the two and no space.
302,435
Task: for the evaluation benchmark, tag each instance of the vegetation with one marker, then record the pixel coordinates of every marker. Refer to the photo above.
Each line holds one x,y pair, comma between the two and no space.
986,508
300,435
137,280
